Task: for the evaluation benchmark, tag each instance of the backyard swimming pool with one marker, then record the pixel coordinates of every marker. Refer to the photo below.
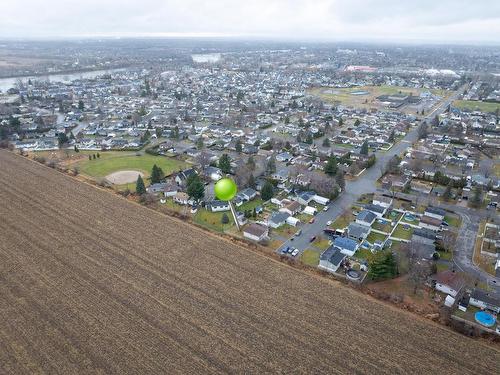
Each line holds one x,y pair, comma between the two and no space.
485,319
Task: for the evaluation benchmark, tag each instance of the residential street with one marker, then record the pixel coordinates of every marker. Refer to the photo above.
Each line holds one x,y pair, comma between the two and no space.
362,185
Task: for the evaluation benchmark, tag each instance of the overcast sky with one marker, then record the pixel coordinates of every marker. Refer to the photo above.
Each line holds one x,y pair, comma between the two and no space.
392,20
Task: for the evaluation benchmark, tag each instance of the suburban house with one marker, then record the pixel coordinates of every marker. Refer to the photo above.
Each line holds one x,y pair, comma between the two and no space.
248,194
292,208
449,282
181,198
485,300
156,188
436,213
182,176
214,173
305,197
424,246
380,200
321,200
376,209
366,218
277,219
255,232
347,246
357,231
331,259
431,223
218,206
310,210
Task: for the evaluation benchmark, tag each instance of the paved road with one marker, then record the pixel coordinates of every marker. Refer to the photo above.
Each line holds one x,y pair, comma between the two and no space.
465,244
362,185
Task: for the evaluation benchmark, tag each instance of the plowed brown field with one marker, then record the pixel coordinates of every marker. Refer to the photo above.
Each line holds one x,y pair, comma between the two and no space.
90,283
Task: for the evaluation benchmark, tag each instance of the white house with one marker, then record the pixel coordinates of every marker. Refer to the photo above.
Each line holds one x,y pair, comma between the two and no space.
380,200
181,198
331,259
218,206
255,232
309,210
449,282
436,213
292,221
485,300
321,200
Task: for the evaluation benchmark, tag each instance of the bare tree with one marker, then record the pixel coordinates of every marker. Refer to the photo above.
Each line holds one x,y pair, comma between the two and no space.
203,159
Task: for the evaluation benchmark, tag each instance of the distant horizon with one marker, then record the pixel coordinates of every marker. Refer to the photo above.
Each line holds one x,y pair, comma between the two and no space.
458,22
252,38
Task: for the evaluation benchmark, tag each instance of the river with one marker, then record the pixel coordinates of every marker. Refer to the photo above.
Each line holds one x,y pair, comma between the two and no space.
7,83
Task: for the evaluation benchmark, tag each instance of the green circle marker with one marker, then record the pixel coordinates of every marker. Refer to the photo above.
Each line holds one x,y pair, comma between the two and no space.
225,189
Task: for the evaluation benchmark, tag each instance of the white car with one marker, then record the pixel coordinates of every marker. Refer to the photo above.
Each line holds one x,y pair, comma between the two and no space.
328,223
295,252
326,208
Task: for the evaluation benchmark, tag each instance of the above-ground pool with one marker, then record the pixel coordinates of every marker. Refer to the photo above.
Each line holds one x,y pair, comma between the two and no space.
410,217
485,319
360,92
353,274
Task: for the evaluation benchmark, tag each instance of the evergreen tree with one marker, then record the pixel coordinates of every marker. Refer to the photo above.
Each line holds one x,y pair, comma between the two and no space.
156,174
477,198
199,143
251,163
194,187
76,149
238,145
271,165
224,219
81,106
267,191
326,142
382,265
309,139
331,166
140,188
447,193
225,163
357,122
392,137
364,148
340,179
251,182
62,139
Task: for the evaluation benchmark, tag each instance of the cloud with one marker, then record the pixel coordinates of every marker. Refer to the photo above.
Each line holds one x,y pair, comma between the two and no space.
445,20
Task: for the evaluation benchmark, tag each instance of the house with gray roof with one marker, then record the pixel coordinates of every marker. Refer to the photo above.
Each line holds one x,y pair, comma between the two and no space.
331,259
357,231
366,218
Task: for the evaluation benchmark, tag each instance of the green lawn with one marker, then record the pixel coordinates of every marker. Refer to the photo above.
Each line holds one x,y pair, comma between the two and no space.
343,221
442,267
402,233
473,105
321,243
453,220
285,230
114,161
362,254
445,255
250,205
212,220
310,257
383,227
372,237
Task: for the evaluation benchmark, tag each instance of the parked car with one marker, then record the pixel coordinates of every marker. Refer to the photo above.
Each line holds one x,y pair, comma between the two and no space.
312,238
329,222
311,221
285,250
298,233
291,250
295,252
326,208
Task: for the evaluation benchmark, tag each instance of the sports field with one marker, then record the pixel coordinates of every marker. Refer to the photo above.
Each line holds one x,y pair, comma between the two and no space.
114,161
473,105
365,96
91,283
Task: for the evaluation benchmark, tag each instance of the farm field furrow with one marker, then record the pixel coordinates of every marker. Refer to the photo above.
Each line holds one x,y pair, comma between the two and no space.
91,283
